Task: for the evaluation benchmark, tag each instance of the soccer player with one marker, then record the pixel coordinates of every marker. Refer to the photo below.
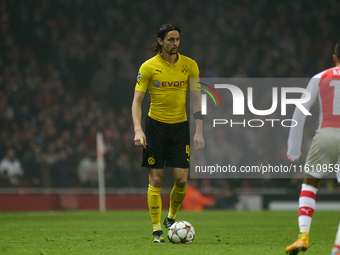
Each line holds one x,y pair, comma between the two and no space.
166,138
324,148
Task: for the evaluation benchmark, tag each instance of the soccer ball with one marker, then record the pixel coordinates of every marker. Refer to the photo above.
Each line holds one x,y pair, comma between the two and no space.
181,232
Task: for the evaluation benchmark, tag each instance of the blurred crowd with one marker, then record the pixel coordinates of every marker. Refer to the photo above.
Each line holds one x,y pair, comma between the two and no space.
68,70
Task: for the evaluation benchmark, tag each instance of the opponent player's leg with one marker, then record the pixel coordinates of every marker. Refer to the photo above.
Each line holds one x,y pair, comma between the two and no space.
177,195
322,151
306,209
155,202
336,247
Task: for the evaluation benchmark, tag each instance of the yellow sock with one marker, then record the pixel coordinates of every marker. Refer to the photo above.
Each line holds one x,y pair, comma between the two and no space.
155,206
156,226
176,198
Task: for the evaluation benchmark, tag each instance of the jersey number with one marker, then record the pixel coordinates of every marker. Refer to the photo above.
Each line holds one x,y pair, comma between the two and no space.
336,98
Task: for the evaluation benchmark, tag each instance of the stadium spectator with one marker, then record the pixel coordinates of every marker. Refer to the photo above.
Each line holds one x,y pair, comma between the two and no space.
46,178
32,162
124,171
11,169
194,200
88,170
227,199
52,155
61,172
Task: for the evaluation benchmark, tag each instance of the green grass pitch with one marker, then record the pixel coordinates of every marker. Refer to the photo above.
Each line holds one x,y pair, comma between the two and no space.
129,232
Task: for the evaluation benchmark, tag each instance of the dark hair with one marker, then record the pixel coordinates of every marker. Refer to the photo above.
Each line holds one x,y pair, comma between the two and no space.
166,28
337,50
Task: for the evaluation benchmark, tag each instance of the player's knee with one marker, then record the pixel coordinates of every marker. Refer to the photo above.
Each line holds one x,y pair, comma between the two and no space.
312,181
181,183
156,181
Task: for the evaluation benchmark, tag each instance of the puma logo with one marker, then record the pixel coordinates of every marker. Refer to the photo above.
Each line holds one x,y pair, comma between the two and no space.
305,210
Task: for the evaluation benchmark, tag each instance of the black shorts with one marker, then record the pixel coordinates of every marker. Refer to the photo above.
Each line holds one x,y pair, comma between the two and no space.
169,143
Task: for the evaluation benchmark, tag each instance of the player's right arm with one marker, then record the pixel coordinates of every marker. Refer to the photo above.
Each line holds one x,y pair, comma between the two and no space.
143,79
140,139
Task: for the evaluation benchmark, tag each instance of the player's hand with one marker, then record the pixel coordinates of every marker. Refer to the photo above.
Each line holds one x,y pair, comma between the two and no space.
295,160
199,141
140,139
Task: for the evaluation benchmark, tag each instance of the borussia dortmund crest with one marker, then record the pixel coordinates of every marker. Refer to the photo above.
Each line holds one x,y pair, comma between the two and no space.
151,160
184,69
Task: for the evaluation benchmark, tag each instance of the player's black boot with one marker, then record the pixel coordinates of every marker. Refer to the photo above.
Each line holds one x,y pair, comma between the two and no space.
158,237
168,222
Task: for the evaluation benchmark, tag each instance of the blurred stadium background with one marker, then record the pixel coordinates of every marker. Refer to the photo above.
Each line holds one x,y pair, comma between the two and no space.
68,70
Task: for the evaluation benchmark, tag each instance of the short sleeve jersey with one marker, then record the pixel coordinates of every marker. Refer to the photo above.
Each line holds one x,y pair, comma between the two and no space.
167,86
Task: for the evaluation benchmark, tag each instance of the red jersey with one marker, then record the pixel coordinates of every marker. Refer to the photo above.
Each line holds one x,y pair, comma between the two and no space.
329,95
325,86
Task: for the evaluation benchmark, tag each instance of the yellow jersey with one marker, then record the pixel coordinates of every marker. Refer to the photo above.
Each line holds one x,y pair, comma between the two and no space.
167,86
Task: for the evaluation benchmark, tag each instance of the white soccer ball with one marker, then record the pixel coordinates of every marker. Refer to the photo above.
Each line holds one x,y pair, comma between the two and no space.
181,232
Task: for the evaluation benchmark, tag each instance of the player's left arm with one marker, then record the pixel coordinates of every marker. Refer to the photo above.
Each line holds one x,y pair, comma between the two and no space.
296,132
196,98
198,137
